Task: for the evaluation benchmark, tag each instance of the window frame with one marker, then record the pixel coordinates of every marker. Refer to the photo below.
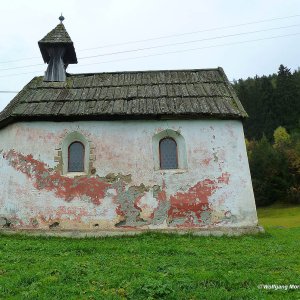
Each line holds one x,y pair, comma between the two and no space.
83,157
182,159
160,154
63,154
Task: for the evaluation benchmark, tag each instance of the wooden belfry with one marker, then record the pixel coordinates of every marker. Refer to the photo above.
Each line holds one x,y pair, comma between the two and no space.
58,52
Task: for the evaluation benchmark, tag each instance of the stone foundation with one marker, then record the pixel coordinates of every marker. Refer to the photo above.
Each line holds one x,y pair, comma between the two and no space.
230,231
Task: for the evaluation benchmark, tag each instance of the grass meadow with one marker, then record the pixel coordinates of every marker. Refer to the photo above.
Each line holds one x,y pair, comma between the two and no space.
156,266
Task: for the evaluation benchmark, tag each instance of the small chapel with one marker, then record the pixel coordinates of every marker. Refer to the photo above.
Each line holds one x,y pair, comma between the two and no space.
124,152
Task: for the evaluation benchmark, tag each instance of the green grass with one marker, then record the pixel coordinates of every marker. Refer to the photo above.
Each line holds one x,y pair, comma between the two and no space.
279,215
156,266
150,266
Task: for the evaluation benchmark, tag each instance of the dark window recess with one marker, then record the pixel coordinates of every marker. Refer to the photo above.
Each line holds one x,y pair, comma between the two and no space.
76,157
168,154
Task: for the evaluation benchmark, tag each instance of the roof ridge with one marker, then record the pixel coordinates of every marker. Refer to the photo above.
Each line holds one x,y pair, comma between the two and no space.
144,71
136,71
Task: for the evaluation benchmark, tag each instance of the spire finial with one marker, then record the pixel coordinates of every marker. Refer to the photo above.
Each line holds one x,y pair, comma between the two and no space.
61,18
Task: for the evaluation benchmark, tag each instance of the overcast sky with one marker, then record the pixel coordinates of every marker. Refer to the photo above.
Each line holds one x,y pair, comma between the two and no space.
189,34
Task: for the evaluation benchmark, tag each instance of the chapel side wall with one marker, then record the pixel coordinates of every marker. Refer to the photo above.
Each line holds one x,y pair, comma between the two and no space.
126,191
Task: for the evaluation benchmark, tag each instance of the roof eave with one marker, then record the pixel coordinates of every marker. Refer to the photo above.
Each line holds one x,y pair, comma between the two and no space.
67,118
69,57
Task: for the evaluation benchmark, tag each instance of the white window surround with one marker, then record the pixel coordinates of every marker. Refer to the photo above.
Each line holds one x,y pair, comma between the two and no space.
181,149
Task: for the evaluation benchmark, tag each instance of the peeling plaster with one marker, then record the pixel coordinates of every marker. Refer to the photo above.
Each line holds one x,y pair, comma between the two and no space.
125,192
51,180
135,205
193,207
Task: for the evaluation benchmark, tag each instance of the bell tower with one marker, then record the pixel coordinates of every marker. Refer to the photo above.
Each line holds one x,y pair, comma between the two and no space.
58,52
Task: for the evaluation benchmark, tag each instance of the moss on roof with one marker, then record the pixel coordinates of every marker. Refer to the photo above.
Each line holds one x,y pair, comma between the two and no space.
57,35
204,93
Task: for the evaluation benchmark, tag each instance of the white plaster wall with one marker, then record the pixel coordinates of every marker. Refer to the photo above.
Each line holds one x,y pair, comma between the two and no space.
214,148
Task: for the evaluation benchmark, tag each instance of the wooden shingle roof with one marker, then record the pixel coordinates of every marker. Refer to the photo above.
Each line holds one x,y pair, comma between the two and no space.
204,93
57,37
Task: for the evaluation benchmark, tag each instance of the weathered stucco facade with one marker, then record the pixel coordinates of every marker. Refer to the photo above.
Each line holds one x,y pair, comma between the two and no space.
125,191
123,151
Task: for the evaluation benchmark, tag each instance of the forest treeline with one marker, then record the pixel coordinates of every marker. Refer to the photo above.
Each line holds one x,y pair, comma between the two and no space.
273,134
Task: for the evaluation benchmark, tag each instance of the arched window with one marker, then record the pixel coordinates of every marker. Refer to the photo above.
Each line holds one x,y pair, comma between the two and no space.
76,157
168,154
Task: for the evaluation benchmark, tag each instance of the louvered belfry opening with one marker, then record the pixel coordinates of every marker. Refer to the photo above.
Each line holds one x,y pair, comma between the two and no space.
58,52
56,70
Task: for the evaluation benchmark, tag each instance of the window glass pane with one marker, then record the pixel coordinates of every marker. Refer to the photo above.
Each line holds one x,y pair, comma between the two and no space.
168,154
76,157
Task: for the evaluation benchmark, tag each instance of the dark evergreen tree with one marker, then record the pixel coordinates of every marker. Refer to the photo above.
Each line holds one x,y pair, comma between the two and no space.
269,171
270,101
